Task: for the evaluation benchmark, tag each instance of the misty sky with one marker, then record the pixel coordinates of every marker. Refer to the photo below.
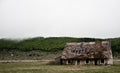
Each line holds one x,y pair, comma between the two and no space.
54,18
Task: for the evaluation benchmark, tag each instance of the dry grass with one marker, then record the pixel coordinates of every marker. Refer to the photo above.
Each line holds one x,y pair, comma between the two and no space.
42,67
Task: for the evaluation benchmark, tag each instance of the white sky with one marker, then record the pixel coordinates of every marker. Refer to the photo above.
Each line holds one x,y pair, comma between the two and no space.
54,18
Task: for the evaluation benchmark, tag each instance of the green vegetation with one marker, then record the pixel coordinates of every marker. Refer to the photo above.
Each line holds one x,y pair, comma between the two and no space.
39,43
41,67
115,44
51,44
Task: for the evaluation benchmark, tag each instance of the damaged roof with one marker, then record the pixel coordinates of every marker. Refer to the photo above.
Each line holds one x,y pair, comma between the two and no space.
85,50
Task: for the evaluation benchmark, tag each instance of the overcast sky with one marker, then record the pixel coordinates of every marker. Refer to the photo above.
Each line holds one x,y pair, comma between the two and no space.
54,18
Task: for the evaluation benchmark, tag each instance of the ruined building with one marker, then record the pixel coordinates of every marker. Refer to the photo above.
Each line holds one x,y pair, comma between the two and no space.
87,53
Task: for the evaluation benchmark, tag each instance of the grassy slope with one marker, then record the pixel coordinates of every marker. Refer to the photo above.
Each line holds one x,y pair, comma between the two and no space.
51,44
40,43
39,67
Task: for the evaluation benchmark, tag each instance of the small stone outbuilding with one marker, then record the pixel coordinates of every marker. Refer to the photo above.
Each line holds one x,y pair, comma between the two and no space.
87,53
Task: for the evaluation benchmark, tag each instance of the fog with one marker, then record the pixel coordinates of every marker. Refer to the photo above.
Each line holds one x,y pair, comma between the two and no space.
59,18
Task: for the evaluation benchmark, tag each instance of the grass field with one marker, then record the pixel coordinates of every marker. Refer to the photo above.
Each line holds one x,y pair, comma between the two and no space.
41,67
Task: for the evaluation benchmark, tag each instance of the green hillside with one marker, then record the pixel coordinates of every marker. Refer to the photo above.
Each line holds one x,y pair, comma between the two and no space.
50,44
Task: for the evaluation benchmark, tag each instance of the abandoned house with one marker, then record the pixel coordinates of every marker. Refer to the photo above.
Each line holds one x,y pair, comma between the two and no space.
87,53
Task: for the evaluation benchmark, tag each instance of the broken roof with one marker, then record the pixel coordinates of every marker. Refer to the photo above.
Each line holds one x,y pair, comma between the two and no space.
85,50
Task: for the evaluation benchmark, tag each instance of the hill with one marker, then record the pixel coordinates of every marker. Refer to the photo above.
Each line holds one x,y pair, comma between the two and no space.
41,43
51,44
